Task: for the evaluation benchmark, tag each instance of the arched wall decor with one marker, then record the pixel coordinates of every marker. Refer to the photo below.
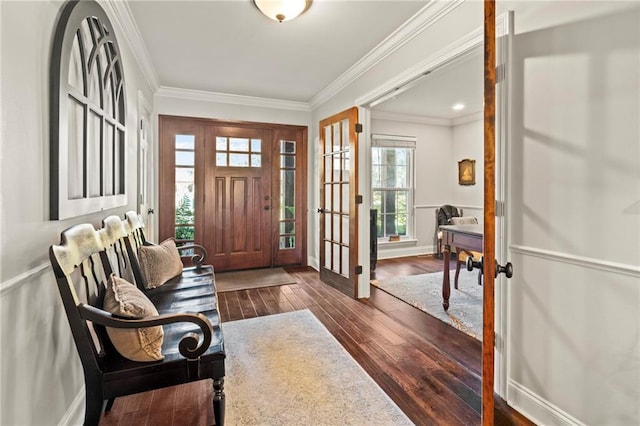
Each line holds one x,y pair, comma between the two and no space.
88,110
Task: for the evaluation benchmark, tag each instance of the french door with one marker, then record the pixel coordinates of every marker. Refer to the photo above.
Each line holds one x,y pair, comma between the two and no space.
235,188
338,201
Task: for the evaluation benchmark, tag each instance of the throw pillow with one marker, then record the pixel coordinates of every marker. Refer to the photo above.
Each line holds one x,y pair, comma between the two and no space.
160,263
125,300
466,220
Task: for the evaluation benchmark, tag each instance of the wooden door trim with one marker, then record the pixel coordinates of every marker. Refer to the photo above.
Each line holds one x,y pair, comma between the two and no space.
488,318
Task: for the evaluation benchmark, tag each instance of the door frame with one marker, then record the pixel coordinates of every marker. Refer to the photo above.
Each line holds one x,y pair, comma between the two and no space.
145,167
411,77
200,124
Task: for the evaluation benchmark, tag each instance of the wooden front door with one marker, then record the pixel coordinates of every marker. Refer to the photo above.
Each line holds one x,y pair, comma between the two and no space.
338,209
237,200
235,188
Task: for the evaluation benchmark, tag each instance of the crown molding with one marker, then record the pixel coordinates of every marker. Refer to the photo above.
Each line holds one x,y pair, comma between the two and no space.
411,118
423,19
125,21
226,98
474,116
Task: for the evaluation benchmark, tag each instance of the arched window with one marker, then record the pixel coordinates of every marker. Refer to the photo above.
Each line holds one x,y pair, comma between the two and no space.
88,111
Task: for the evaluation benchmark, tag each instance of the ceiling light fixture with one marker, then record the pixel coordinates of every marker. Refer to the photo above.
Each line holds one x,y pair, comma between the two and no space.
458,107
282,10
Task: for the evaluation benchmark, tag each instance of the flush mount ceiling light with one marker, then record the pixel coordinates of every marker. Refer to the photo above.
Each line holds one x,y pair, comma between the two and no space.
282,10
458,107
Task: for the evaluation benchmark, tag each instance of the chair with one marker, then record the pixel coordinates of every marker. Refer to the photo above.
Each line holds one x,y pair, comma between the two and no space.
462,260
443,217
463,254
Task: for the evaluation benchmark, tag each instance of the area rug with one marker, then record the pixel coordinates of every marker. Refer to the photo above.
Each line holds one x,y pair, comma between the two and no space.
252,278
425,293
287,369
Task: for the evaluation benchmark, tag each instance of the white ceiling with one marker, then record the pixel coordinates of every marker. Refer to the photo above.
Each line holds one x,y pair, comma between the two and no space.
228,46
459,82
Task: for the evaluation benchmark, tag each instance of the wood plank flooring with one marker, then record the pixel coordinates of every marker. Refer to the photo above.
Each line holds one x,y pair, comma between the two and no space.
431,370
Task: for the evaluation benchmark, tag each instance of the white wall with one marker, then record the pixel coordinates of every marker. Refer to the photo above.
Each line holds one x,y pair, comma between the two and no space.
40,369
574,211
468,142
433,186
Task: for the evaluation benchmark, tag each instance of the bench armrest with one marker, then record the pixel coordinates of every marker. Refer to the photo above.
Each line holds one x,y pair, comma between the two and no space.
199,256
188,345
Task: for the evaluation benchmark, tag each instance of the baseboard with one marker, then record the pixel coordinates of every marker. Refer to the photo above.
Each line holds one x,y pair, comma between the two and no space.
75,413
390,253
536,408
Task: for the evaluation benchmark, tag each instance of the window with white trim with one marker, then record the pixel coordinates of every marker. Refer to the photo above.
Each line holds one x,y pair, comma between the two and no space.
392,184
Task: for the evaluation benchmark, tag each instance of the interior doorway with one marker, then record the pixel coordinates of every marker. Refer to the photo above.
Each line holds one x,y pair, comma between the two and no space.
403,85
237,188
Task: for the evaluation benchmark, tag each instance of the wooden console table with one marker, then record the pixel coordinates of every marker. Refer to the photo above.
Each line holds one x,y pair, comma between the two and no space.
468,237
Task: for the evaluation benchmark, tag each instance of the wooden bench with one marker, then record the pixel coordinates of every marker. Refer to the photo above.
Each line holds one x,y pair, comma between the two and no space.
193,346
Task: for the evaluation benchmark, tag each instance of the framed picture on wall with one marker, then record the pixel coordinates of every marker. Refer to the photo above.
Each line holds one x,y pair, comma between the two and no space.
467,172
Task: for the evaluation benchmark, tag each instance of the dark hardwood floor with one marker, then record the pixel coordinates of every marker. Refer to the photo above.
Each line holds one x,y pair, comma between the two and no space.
431,370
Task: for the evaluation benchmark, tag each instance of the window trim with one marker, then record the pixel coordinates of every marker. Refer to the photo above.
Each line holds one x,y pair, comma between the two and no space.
397,141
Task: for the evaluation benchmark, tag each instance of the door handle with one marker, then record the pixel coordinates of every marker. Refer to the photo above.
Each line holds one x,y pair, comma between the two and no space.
267,207
507,269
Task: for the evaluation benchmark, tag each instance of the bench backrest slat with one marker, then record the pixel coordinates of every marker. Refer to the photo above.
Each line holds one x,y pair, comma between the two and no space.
81,267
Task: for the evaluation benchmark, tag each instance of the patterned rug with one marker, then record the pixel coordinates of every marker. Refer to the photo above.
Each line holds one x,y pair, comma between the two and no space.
287,369
425,293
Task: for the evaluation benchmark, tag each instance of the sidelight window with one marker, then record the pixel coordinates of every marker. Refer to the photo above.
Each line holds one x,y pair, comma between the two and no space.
287,237
185,188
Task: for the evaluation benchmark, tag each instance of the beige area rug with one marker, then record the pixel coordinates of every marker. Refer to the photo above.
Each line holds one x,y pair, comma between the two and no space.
287,369
253,278
425,293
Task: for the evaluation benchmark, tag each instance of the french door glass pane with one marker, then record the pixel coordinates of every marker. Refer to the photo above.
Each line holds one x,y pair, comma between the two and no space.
327,139
345,229
345,198
345,262
327,255
336,138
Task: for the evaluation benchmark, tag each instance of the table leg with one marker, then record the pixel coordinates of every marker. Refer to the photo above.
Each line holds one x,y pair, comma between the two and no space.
446,286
